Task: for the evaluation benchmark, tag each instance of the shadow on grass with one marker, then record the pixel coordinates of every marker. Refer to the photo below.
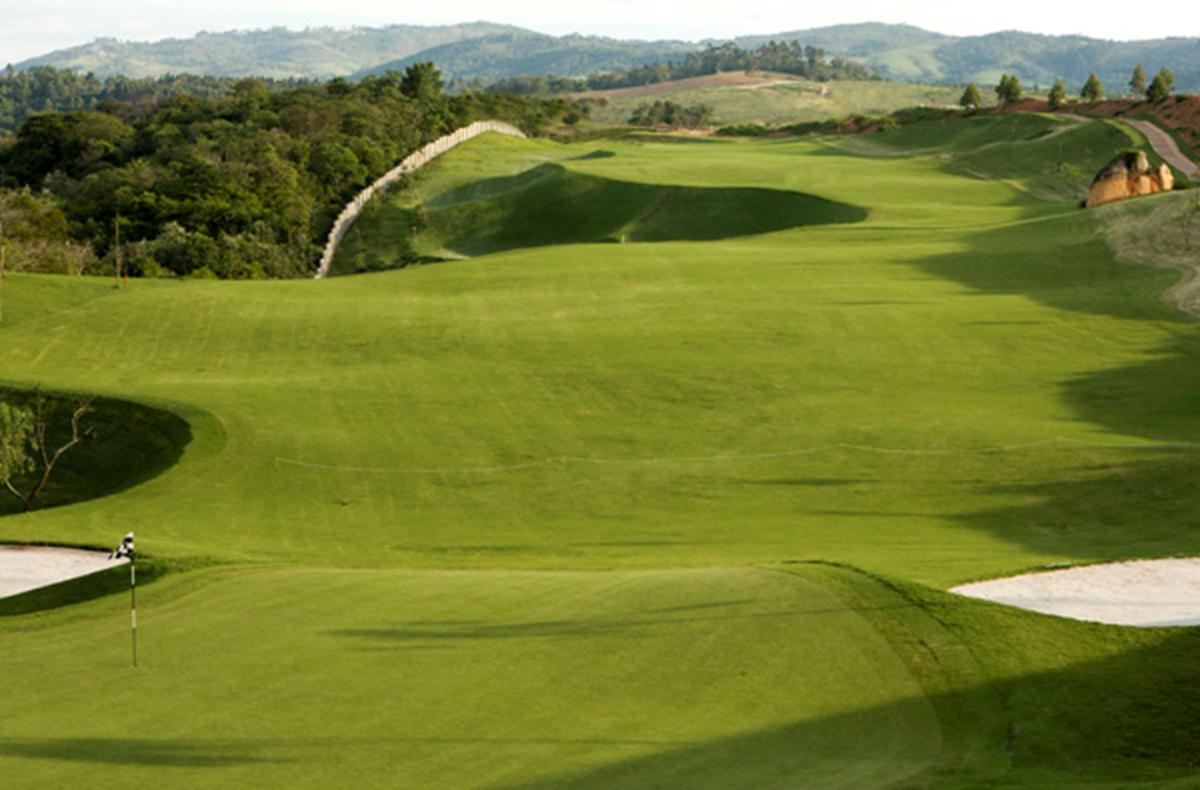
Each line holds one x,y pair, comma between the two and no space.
631,625
552,205
130,751
1131,716
130,444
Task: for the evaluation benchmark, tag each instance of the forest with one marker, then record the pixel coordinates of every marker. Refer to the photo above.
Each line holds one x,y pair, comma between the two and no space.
242,184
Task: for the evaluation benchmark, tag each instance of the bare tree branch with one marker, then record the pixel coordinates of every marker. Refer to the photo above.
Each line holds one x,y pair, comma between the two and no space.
34,435
16,492
48,461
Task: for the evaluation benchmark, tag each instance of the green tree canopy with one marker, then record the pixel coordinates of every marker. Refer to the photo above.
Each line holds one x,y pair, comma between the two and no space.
1058,94
1093,89
16,443
421,81
1138,83
1009,89
1162,87
971,96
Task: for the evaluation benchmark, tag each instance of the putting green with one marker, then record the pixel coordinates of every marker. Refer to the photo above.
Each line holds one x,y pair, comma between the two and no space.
522,519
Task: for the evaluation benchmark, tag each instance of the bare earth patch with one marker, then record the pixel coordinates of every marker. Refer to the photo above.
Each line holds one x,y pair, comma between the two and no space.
25,568
1144,593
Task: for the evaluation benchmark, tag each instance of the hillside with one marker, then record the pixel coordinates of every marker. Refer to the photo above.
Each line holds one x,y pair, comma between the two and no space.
772,99
675,512
522,52
275,52
908,53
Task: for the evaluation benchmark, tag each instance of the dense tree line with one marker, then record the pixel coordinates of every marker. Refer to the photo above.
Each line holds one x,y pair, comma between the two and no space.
784,57
669,113
241,185
45,89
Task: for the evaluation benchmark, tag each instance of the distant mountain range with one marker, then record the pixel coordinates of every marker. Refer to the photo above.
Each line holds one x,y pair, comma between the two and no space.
521,52
485,50
910,54
318,53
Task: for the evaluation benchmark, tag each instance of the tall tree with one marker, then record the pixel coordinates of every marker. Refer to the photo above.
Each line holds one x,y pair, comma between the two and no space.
421,81
1009,89
971,97
1162,86
1138,83
1058,95
1093,90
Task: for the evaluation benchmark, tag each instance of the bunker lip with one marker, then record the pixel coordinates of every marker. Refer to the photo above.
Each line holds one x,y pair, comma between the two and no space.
25,568
1142,593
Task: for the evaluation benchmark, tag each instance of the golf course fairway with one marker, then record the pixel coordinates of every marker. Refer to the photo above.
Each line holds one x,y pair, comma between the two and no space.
666,497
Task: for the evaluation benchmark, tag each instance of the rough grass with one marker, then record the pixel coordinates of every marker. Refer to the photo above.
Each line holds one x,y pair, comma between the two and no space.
793,101
540,518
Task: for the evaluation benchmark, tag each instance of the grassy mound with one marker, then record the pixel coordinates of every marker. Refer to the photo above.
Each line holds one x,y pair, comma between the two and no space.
551,205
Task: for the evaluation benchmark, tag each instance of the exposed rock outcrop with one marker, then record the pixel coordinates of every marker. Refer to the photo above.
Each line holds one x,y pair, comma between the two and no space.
1129,175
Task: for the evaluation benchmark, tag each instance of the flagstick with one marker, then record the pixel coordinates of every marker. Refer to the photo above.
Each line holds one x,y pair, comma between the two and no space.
133,606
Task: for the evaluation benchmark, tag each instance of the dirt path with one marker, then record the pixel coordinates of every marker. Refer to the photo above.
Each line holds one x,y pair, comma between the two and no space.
1165,146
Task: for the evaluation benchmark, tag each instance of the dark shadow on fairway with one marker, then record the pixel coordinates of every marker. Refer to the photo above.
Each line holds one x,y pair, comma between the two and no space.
551,205
1108,504
1139,502
128,751
1145,504
1122,719
810,482
451,631
601,154
132,443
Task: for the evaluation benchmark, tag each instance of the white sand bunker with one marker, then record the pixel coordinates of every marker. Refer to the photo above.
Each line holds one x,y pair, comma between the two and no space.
24,568
1146,593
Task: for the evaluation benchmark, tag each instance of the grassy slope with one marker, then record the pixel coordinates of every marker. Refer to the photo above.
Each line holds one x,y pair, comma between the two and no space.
911,394
791,102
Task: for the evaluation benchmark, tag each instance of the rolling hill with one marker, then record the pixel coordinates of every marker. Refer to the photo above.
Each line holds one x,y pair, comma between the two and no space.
903,52
522,52
276,52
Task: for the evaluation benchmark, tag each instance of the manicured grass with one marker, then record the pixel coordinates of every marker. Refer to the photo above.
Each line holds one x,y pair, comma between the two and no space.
543,517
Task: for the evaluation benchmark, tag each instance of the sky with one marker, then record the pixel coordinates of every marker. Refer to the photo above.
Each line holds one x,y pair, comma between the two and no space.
29,27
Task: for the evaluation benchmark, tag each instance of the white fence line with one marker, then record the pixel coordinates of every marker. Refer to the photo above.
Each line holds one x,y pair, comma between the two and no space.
355,207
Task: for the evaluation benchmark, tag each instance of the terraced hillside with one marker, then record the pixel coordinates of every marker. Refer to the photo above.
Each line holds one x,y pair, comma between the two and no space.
673,512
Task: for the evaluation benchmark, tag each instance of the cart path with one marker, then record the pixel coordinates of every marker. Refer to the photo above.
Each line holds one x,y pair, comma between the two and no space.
1165,146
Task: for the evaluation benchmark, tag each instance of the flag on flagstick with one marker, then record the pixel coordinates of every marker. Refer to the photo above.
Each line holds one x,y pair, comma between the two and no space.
121,552
124,550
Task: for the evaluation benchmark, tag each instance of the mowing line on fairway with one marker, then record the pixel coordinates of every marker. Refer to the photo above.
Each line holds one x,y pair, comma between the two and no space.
860,448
